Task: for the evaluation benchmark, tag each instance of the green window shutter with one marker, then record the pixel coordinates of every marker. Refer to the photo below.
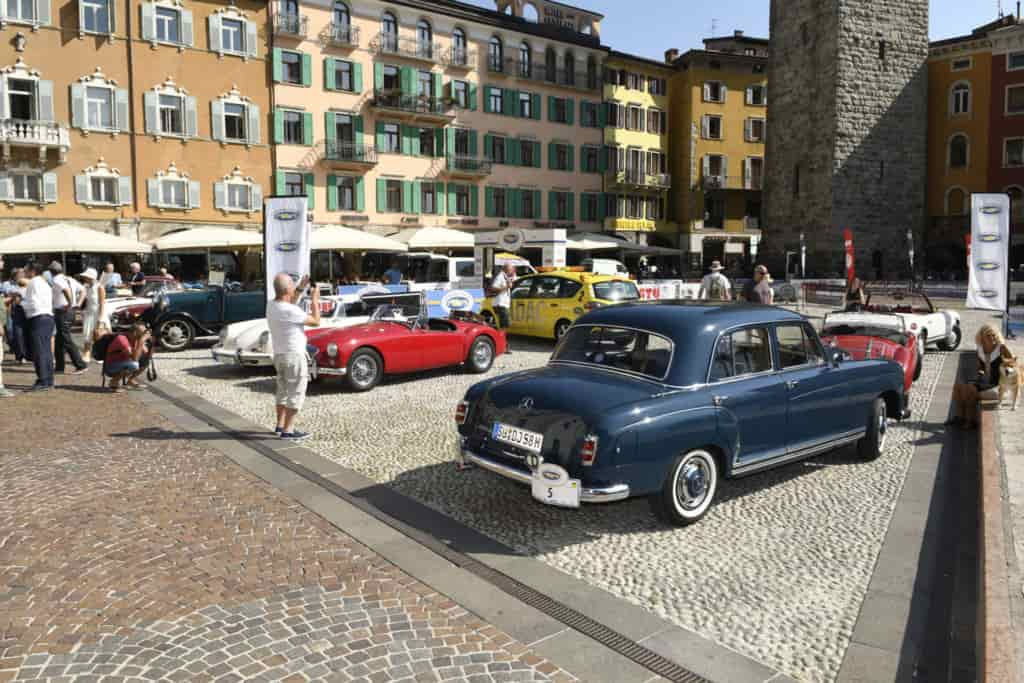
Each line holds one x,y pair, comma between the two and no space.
329,127
307,70
278,68
537,199
536,155
439,135
584,213
307,128
357,77
472,96
378,76
451,199
489,201
512,151
357,126
278,127
571,153
488,145
602,160
552,210
602,120
406,139
572,206
279,183
439,198
414,141
600,208
472,144
380,136
332,193
408,80
551,107
584,106
329,73
308,186
417,190
570,107
552,155
510,100
474,201
407,196
515,201
535,106
487,100
382,197
437,85
360,195
450,142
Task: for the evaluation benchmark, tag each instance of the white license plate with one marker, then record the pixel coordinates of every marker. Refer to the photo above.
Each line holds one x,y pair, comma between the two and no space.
226,360
514,436
551,485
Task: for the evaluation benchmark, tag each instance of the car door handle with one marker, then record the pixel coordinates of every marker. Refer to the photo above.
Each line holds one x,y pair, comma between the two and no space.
554,305
792,384
719,400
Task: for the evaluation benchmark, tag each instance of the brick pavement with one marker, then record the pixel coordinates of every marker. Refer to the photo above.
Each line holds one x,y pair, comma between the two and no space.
128,559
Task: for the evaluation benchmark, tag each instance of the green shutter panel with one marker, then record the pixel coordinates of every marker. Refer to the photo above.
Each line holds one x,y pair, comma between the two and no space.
307,70
571,153
329,128
360,195
378,76
600,208
571,203
535,106
489,146
414,141
278,127
450,141
472,96
551,107
406,140
512,151
357,125
570,107
552,155
278,69
536,155
332,193
357,77
602,160
472,144
308,186
408,80
406,196
489,201
487,100
451,199
602,120
382,198
515,200
279,183
537,198
474,201
380,136
439,198
510,101
307,128
552,210
417,190
437,85
329,73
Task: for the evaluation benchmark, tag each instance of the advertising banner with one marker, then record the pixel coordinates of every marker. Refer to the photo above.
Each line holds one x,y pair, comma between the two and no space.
286,246
851,266
990,252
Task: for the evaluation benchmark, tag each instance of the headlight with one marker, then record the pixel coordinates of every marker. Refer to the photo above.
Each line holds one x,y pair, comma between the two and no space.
332,350
264,340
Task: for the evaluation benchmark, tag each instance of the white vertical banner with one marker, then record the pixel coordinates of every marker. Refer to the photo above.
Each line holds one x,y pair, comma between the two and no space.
990,251
286,245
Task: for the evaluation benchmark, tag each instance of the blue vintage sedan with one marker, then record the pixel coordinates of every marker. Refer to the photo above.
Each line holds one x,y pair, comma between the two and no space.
665,400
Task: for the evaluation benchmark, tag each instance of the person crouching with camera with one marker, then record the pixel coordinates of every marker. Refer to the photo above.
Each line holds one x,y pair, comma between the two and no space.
124,355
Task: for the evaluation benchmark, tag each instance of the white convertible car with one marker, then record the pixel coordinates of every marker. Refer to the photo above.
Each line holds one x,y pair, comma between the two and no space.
939,328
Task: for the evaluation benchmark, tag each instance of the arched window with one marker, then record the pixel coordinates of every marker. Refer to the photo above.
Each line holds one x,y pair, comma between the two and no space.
291,8
496,54
570,68
551,64
956,202
525,59
1016,195
389,31
592,73
342,18
424,39
960,99
958,151
459,46
530,13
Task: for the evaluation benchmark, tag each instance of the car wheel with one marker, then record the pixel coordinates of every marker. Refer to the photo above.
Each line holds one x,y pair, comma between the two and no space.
873,443
481,355
688,490
561,327
489,318
365,370
176,335
952,342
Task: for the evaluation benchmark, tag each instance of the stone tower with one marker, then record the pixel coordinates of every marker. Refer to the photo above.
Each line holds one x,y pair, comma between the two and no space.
847,133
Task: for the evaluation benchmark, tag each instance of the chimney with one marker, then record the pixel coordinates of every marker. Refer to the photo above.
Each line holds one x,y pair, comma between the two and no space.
671,55
737,34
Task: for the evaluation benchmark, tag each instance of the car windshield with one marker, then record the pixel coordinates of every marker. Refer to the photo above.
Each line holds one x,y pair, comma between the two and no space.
616,348
616,290
898,302
396,313
866,331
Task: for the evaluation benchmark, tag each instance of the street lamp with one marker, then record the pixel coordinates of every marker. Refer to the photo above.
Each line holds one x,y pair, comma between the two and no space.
803,257
910,251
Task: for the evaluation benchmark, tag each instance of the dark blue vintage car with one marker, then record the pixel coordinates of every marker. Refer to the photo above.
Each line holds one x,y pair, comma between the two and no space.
664,400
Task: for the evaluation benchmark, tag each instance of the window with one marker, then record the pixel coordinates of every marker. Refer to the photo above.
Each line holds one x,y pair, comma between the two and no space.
291,68
389,32
525,60
1014,61
393,196
96,16
428,197
634,118
528,208
495,55
745,352
591,160
103,190
342,18
427,139
392,139
654,121
561,161
526,105
961,64
462,202
232,32
526,157
497,100
293,185
21,98
497,150
346,193
26,187
425,84
634,81
460,93
713,127
343,75
1016,196
239,196
589,206
1015,99
522,289
958,151
956,202
391,81
617,349
560,206
657,86
174,193
881,49
960,99
755,130
459,55
234,122
172,115
589,114
499,197
559,110
714,91
1013,154
796,347
462,142
756,96
168,29
99,108
550,65
570,69
293,132
424,39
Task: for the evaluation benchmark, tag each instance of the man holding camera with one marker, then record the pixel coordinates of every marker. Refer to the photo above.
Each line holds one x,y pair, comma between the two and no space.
287,323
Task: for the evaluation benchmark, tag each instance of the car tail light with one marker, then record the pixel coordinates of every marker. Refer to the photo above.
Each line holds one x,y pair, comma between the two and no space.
461,412
591,305
588,451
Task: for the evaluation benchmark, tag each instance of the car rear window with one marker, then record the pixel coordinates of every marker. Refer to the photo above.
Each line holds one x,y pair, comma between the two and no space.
616,290
616,348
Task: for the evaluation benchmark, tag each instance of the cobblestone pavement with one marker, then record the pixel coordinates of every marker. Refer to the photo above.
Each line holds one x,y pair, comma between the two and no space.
126,560
777,570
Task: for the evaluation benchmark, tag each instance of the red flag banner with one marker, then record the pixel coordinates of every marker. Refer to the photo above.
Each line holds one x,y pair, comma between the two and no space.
967,239
848,243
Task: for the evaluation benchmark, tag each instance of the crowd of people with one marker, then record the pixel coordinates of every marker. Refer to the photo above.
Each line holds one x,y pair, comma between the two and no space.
715,286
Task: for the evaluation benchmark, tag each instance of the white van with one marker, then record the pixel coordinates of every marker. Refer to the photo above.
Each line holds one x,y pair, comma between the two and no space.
604,266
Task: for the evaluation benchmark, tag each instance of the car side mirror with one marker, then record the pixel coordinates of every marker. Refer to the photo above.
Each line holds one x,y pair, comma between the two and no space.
840,356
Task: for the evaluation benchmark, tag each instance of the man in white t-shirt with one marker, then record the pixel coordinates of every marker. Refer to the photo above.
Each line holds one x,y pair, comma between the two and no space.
502,286
715,286
287,323
38,307
63,316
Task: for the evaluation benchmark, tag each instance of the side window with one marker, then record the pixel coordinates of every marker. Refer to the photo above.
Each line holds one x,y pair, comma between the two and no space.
547,288
796,347
521,290
570,288
744,352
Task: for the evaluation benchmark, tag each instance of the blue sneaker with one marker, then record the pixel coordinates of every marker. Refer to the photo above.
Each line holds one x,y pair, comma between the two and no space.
295,436
279,430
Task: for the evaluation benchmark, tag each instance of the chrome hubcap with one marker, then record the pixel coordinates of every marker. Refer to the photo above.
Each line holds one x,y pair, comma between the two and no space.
364,370
174,334
482,354
693,484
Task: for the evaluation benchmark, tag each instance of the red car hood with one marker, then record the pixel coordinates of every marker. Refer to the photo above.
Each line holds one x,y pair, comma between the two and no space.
367,332
862,347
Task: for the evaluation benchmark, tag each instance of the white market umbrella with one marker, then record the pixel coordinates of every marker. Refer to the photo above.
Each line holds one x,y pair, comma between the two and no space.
592,241
208,238
67,238
435,238
340,238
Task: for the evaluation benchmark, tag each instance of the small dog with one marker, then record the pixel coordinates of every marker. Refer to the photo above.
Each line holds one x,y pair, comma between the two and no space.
1010,381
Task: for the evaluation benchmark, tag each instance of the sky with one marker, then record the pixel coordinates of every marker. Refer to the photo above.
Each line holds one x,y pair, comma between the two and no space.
649,27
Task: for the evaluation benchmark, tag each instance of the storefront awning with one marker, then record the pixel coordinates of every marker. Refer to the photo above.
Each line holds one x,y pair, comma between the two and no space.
208,238
435,238
650,250
340,238
70,239
592,241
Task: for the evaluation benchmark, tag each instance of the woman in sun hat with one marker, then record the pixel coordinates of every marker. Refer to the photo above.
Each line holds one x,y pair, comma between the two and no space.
92,302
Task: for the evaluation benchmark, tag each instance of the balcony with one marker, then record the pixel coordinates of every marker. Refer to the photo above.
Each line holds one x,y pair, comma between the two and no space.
291,25
414,107
347,155
343,35
467,166
726,182
41,135
640,179
411,48
527,71
459,58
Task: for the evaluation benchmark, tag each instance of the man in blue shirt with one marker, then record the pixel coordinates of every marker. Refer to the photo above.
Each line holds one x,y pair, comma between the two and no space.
393,275
110,280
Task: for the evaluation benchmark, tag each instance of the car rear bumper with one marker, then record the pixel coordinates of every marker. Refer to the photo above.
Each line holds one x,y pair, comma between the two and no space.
238,357
588,494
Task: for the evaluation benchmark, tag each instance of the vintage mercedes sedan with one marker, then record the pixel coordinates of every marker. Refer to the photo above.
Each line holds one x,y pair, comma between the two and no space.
667,399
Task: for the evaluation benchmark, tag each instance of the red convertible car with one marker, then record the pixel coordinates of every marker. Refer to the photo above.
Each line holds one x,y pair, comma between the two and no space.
868,336
394,342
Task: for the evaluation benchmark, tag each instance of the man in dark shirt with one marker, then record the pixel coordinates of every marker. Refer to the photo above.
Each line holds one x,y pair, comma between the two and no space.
137,280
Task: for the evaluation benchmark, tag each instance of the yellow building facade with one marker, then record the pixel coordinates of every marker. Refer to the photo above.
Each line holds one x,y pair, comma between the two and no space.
635,158
719,102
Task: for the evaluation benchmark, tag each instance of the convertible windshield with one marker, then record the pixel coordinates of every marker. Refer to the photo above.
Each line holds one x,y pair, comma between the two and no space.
866,331
616,290
616,348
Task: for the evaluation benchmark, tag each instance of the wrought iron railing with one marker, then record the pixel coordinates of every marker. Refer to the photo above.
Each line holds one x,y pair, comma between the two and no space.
388,44
729,182
291,25
640,178
344,35
416,104
335,150
468,164
460,57
531,71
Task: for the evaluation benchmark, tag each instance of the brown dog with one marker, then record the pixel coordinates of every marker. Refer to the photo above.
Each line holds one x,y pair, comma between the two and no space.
1010,380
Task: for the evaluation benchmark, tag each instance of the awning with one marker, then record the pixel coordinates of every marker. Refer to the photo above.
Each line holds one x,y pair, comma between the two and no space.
593,241
650,250
208,238
70,239
435,238
340,238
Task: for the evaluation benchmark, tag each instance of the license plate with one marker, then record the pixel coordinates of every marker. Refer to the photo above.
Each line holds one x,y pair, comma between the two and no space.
226,360
551,485
514,436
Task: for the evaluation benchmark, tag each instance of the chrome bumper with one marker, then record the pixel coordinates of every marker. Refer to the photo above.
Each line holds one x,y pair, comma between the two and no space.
604,494
316,370
240,358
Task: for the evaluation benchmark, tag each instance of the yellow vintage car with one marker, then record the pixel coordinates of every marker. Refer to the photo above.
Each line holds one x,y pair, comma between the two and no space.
546,304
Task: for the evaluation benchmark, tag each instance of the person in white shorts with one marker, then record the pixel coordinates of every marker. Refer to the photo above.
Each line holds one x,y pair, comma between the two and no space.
287,324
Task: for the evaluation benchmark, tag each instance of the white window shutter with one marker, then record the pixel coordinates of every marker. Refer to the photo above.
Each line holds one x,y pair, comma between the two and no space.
217,117
750,94
150,101
44,93
191,117
256,197
747,127
252,39
5,187
253,128
148,21
746,174
124,190
707,165
705,126
186,27
153,191
193,194
3,97
220,195
111,14
43,12
121,118
724,92
764,94
213,23
82,188
81,17
707,92
50,187
725,169
77,105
